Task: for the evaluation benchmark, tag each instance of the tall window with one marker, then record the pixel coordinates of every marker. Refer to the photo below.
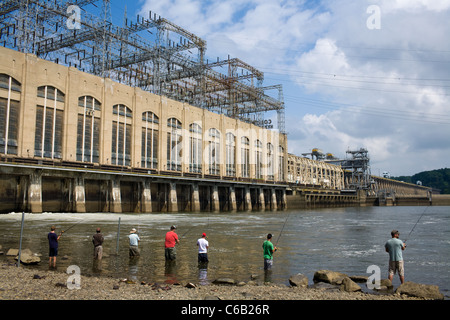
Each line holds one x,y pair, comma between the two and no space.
258,159
88,129
9,113
174,145
230,155
280,163
270,162
245,157
195,148
121,135
49,122
214,151
150,138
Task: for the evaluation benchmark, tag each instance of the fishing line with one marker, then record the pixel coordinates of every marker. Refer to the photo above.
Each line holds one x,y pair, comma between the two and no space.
63,231
417,223
282,229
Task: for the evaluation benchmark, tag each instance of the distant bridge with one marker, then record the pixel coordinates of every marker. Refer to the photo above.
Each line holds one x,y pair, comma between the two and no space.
386,191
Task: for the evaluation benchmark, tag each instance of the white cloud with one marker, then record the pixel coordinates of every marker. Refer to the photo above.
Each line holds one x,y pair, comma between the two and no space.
415,5
345,86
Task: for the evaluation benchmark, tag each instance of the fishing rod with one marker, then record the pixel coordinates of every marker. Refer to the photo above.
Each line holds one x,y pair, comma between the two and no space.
279,236
182,236
416,223
63,231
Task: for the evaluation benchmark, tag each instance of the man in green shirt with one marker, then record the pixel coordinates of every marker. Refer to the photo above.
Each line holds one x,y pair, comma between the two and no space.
268,250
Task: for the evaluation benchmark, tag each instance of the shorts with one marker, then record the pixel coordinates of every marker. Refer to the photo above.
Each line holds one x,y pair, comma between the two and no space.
170,253
53,252
268,264
395,266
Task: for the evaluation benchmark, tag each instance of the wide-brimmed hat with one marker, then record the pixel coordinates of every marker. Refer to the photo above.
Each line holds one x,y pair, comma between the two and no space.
133,230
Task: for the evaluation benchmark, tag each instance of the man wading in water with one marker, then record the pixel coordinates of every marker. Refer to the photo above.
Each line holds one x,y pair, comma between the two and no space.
170,241
134,244
268,250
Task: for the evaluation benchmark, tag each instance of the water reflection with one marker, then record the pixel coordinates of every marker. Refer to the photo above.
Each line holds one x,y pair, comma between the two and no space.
170,272
203,273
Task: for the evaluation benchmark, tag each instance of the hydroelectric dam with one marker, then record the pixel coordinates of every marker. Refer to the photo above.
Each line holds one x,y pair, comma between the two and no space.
135,118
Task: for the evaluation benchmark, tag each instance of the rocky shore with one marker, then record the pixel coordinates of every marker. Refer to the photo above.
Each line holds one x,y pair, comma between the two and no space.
24,284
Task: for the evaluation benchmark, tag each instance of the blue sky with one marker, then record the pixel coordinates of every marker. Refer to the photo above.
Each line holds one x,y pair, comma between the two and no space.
346,84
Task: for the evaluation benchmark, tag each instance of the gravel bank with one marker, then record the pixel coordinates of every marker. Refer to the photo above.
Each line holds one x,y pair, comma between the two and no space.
22,284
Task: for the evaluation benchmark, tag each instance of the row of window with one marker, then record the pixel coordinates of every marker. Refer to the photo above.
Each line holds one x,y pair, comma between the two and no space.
49,128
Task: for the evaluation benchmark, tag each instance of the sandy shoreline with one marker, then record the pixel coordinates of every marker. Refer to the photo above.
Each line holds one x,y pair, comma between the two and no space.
22,284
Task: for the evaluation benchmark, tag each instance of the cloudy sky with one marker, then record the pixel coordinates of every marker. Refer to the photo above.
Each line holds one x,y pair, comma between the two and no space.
367,73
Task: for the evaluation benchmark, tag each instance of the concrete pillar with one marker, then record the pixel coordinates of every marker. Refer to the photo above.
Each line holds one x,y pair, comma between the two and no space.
248,199
273,200
79,195
195,198
215,199
261,200
173,203
362,197
233,206
146,202
116,200
22,192
35,192
284,199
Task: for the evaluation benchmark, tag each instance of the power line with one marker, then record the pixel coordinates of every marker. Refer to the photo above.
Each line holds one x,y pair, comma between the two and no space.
383,112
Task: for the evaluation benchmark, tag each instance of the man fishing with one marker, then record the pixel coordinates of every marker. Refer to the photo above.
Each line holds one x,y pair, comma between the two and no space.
394,247
203,246
268,250
53,239
134,243
97,241
170,241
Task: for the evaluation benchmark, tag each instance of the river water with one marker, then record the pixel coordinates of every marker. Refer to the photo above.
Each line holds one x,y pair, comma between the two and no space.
347,240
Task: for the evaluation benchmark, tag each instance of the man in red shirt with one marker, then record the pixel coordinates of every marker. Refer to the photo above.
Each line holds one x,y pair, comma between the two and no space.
171,241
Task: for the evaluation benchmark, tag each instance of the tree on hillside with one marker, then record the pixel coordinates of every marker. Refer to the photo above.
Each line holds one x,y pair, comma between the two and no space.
438,179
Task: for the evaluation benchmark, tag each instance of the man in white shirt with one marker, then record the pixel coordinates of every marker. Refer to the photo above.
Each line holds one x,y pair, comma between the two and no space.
203,246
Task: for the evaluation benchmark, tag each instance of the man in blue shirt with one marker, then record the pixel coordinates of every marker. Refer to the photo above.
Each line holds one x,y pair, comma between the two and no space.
395,247
134,242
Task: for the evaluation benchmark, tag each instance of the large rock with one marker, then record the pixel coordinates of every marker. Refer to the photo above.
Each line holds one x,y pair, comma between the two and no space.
420,290
298,280
12,252
328,276
27,257
349,285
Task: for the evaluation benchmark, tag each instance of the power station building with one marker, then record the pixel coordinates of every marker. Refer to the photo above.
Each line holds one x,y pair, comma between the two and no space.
127,149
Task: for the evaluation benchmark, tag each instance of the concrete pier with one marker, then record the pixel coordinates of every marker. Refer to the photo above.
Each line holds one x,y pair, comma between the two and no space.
41,188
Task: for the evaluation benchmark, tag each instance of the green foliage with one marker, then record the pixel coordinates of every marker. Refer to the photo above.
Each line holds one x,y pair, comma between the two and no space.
438,179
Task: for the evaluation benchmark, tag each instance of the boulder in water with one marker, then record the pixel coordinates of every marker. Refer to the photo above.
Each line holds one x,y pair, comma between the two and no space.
420,290
328,276
298,280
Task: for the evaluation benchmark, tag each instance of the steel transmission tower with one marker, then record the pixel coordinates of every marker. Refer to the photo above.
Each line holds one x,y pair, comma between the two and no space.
149,52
